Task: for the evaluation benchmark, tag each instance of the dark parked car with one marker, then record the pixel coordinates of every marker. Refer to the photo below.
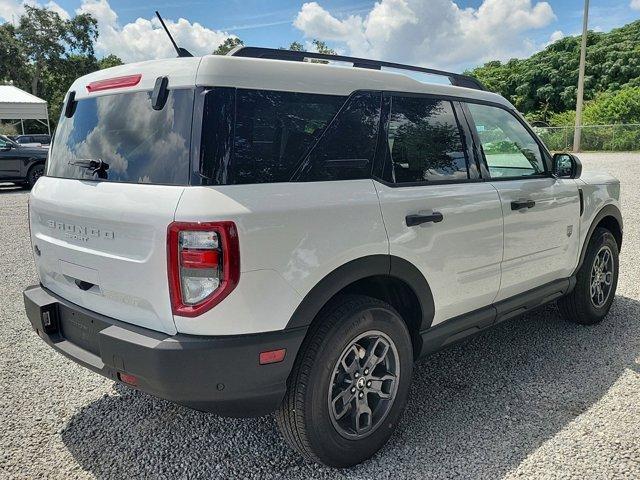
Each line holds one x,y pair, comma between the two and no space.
21,164
33,140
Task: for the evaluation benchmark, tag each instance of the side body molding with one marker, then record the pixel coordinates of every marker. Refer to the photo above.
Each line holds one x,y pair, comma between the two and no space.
359,269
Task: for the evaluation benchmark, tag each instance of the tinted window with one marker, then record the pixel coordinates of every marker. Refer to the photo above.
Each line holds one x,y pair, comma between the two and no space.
139,144
424,141
216,144
508,147
274,131
346,150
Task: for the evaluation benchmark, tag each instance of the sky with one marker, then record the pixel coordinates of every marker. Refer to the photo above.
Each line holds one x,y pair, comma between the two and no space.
453,34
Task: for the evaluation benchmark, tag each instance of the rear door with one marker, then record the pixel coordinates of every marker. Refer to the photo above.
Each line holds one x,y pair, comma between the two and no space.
541,213
439,214
99,217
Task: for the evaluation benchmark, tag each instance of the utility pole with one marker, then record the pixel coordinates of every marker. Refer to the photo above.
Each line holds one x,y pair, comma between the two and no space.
583,57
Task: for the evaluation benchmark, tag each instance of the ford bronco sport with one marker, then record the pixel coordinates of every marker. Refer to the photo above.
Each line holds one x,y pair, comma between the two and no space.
252,233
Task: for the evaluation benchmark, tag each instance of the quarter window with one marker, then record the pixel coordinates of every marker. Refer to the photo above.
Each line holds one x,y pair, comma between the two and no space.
510,150
346,150
424,141
274,130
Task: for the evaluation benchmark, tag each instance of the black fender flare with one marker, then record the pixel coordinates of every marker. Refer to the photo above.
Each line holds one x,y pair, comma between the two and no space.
609,210
358,269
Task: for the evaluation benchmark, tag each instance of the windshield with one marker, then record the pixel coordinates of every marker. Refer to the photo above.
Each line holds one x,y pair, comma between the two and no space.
121,138
6,142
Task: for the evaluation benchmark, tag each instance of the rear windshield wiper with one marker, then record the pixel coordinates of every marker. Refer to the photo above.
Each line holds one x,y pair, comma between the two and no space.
95,165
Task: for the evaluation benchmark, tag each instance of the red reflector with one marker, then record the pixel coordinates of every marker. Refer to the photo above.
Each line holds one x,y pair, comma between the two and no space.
126,378
272,356
199,258
116,82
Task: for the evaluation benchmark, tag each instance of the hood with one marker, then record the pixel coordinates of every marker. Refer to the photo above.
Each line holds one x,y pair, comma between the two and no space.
598,178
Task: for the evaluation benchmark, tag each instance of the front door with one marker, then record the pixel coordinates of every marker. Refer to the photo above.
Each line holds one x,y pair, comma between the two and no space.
9,161
541,213
438,214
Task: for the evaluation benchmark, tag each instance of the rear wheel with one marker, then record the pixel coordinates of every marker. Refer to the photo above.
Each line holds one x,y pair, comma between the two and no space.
34,174
596,281
350,383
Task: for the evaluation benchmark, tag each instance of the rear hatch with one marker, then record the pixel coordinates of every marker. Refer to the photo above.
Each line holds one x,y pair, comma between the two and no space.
99,217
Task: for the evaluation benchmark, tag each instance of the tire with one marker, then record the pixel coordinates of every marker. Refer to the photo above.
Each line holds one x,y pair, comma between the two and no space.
35,172
350,327
579,306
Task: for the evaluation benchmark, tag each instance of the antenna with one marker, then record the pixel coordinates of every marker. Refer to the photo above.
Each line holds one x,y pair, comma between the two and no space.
182,52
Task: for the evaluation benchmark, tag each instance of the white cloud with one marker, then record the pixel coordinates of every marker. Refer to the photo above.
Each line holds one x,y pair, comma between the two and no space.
432,32
635,4
11,10
144,39
58,9
555,36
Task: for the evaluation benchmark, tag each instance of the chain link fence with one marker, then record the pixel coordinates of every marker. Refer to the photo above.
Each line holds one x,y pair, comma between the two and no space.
595,138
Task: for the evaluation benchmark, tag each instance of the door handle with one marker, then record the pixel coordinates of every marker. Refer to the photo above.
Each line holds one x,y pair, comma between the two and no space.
414,220
520,204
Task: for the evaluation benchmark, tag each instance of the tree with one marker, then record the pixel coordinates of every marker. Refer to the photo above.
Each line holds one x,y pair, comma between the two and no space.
297,47
320,47
545,83
228,45
109,61
13,62
45,37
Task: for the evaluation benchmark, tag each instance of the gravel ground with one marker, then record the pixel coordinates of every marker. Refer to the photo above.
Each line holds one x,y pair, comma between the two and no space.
534,397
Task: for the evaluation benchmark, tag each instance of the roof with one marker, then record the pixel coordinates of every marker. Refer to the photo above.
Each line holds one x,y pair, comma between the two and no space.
18,104
268,74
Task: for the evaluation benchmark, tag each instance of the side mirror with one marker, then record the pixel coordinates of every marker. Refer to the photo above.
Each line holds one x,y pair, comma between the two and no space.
566,165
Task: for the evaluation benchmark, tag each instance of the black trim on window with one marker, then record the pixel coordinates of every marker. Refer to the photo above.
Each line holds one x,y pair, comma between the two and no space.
544,152
382,165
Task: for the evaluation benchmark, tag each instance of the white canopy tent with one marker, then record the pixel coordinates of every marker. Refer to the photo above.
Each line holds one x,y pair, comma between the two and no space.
16,104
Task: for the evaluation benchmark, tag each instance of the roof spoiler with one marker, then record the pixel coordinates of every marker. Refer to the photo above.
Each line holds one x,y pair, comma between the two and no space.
456,79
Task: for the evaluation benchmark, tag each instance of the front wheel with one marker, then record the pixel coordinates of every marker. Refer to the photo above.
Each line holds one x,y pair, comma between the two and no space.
34,174
350,383
596,281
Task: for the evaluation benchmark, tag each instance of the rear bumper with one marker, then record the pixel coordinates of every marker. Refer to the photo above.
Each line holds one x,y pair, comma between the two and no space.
216,374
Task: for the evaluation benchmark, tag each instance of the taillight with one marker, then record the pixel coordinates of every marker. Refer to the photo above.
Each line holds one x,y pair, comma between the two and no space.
204,265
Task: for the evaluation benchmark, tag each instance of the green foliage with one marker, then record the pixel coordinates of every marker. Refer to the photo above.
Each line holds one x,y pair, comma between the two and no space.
45,37
109,61
228,45
320,47
296,47
545,83
621,107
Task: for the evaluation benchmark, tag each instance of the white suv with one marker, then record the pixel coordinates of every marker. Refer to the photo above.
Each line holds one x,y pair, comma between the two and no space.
252,233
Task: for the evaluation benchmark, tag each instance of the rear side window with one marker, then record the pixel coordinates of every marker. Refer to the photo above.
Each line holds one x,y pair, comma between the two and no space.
509,149
134,142
273,132
424,141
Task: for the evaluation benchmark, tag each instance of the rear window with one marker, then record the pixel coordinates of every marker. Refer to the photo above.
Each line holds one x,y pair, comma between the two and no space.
135,143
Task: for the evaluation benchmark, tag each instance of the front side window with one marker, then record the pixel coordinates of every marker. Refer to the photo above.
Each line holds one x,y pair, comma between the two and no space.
508,147
424,141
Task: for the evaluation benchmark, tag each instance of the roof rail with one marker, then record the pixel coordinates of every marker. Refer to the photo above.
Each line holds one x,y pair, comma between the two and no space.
456,79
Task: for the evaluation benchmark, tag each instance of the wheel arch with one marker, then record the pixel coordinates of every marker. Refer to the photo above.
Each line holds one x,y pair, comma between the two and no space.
386,277
608,217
